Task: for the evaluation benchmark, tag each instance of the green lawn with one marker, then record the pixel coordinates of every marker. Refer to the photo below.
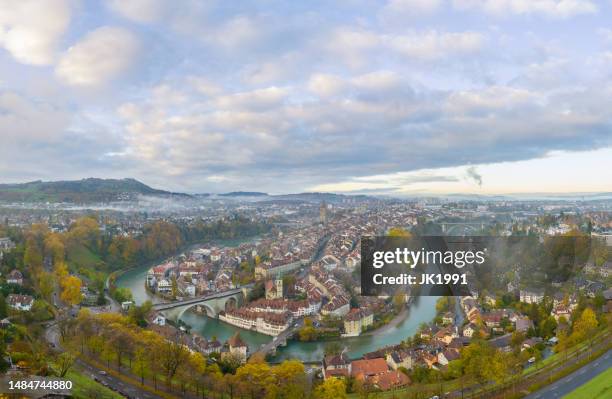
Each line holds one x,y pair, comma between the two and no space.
599,387
80,256
84,262
83,387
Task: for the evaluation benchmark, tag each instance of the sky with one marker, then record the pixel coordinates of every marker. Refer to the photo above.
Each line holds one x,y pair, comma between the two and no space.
396,97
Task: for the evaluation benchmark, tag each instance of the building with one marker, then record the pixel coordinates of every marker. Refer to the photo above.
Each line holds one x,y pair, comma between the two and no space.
390,380
448,318
20,302
561,311
336,366
237,347
532,295
356,321
6,244
447,356
523,324
502,343
338,306
164,286
269,323
157,318
274,288
469,330
368,368
190,290
266,270
399,358
15,277
323,213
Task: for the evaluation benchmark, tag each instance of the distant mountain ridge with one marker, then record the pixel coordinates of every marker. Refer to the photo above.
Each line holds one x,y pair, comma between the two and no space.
88,190
244,194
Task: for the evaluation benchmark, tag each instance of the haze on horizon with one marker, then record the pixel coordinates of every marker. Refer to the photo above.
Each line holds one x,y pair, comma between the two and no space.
399,97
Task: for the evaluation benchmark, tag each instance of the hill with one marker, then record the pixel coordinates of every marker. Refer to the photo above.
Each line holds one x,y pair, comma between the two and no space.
244,194
79,191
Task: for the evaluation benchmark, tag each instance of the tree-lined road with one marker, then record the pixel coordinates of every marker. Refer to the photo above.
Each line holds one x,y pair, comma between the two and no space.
52,336
577,378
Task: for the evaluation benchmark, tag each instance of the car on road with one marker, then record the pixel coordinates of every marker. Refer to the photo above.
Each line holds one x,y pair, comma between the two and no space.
102,372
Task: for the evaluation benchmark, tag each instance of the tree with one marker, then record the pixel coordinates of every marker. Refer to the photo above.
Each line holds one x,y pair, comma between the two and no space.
71,290
172,355
585,326
456,369
290,379
256,379
122,294
332,388
398,232
85,231
333,348
122,343
3,307
33,255
55,247
63,363
174,287
46,284
484,363
138,314
60,269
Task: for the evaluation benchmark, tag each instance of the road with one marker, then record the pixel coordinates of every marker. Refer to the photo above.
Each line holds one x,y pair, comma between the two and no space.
53,337
577,378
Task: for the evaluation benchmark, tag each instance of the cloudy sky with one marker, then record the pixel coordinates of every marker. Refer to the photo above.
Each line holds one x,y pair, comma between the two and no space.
401,97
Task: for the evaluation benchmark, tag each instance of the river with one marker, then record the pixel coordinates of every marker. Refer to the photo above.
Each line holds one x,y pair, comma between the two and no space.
422,310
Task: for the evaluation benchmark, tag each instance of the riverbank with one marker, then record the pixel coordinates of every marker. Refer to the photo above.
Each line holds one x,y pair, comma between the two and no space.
400,317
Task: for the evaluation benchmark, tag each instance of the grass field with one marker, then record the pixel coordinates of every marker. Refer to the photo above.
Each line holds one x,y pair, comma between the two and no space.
85,388
599,387
80,256
84,262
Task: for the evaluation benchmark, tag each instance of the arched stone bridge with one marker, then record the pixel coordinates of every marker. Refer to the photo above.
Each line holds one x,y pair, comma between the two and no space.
214,303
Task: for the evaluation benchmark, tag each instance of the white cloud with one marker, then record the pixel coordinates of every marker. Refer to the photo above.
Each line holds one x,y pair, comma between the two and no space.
238,31
378,81
352,45
494,98
101,56
261,99
434,45
139,10
359,48
31,29
410,7
325,85
29,120
550,8
204,86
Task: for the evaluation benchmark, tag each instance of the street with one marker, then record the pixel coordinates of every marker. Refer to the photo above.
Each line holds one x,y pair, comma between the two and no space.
579,377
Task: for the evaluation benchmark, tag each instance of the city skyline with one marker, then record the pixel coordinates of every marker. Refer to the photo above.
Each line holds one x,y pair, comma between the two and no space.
405,97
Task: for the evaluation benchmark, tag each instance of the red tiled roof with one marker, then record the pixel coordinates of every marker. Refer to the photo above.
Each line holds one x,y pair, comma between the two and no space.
365,368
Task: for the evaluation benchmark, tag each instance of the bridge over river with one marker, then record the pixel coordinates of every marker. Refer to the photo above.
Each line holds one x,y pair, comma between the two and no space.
281,339
213,303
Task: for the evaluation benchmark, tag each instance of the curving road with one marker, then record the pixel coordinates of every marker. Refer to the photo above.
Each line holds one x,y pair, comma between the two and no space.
579,377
